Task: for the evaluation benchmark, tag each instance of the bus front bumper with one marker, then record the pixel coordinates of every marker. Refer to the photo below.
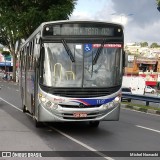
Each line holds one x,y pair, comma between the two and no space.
84,114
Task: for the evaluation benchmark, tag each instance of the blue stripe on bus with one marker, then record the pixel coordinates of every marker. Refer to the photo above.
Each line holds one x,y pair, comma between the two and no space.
88,102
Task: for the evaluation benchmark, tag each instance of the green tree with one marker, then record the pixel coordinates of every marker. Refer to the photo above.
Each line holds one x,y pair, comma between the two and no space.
144,44
158,5
19,18
154,45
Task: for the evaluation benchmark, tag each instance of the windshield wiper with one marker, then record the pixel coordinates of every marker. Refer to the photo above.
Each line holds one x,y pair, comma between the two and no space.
68,50
92,65
98,52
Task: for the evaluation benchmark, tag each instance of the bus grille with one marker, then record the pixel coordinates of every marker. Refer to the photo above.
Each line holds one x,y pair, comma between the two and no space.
74,106
81,92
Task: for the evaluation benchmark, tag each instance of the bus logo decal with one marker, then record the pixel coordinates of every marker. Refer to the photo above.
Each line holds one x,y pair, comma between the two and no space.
81,105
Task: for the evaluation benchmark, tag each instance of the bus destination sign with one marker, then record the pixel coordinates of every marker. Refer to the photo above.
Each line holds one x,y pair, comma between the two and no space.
80,29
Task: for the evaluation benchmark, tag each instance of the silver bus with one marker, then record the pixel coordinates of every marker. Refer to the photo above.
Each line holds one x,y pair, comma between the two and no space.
72,71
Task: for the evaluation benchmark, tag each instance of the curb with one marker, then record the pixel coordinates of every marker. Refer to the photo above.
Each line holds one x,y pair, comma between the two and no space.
152,111
8,81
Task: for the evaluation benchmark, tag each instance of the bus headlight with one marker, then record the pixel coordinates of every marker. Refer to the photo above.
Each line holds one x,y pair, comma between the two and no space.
54,106
43,99
105,106
117,99
47,103
110,105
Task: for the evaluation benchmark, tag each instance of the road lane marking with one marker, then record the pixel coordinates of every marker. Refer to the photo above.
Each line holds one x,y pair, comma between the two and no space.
14,106
67,136
11,104
154,130
82,144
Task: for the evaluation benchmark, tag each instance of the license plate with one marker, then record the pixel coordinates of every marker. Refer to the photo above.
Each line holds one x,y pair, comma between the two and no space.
79,114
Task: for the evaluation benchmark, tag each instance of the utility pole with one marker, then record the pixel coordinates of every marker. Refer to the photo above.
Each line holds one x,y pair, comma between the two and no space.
121,15
5,63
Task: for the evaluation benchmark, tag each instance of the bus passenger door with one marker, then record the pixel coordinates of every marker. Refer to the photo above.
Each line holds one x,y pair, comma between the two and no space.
23,79
29,81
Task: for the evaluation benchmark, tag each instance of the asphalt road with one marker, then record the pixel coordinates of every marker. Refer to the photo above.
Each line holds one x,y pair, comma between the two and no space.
135,131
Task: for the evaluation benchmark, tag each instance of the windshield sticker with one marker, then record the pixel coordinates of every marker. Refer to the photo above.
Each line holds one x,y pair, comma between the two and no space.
78,46
108,45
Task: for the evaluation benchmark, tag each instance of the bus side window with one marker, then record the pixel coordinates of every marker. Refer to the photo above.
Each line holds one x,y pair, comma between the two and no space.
32,53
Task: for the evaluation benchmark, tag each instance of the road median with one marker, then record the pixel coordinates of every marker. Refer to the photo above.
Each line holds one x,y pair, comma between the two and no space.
146,109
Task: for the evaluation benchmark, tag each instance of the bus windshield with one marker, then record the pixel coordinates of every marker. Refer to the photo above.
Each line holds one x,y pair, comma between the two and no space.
59,70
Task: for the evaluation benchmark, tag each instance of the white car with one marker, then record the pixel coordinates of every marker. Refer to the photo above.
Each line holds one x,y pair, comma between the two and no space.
128,91
149,89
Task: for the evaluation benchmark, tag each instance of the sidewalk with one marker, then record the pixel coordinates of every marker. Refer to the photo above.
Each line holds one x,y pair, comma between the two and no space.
17,134
8,81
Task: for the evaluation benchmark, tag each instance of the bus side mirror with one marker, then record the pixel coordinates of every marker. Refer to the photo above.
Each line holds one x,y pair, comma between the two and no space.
125,59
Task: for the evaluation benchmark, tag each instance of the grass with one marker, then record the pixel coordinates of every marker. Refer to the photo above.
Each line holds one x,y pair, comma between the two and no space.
142,107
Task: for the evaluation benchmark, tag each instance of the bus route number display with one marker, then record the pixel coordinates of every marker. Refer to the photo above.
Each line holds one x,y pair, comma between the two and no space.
78,30
82,31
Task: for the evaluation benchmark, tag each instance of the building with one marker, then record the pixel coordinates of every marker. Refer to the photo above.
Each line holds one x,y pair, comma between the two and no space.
145,63
6,63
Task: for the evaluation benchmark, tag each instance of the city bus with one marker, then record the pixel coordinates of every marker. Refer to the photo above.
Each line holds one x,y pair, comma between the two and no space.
71,71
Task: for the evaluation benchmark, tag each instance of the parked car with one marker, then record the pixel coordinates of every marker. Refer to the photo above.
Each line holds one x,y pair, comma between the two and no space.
149,89
128,91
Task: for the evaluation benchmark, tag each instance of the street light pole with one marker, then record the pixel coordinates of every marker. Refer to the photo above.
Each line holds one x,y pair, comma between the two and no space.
5,63
122,15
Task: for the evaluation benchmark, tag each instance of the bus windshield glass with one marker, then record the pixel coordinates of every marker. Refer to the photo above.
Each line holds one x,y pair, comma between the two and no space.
59,70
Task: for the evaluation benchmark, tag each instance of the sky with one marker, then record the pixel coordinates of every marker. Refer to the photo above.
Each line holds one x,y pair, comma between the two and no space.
140,18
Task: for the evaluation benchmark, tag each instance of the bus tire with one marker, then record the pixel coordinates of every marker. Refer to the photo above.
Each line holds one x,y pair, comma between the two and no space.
32,105
38,124
24,109
94,124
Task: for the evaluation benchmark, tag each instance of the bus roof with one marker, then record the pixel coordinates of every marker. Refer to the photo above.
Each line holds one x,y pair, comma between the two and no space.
65,21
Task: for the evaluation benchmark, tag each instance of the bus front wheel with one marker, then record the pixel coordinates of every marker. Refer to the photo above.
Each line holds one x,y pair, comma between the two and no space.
24,109
94,124
38,124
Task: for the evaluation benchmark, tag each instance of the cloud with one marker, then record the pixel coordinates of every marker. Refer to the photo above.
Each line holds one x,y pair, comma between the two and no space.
140,18
149,33
81,16
144,10
143,25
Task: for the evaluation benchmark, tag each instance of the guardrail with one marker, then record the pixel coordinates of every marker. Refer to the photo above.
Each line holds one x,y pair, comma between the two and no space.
142,98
